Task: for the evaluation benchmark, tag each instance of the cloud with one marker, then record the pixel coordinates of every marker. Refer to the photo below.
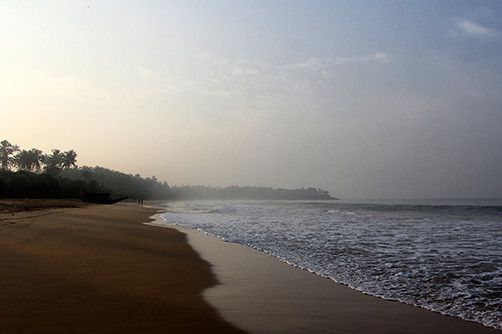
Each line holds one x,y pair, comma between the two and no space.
313,64
210,75
378,57
321,64
473,29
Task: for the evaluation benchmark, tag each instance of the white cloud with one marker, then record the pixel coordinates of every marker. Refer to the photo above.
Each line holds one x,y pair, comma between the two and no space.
213,76
312,64
379,57
318,64
473,29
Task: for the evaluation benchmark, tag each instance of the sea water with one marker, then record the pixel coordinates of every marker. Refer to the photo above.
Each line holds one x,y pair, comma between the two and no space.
444,256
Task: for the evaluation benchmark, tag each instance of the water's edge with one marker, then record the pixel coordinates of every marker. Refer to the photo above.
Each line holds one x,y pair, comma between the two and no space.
161,222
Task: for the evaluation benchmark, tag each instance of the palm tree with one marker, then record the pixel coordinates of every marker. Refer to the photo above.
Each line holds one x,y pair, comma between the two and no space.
31,160
69,159
23,160
37,158
53,162
6,151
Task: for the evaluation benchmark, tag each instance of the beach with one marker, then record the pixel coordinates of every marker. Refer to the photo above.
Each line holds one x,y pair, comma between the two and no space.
101,269
98,269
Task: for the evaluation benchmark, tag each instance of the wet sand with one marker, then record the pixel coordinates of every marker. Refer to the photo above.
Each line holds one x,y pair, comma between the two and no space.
98,269
263,295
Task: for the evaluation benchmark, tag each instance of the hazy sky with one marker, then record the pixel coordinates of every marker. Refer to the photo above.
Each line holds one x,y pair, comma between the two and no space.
363,98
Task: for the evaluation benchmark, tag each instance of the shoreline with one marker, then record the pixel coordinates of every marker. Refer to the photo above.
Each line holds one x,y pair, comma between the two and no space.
118,268
98,269
262,294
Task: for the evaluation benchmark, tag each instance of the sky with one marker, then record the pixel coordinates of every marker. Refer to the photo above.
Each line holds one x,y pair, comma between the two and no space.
367,99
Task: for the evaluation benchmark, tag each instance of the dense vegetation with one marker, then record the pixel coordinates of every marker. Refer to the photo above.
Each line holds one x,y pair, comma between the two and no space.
23,184
117,183
33,174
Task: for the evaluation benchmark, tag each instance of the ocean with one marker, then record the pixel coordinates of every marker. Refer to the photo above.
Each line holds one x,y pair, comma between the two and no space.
441,255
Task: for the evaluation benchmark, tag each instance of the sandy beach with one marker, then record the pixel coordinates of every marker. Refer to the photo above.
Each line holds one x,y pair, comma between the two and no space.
98,269
108,269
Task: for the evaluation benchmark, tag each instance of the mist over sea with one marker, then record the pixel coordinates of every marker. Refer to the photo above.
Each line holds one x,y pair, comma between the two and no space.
442,255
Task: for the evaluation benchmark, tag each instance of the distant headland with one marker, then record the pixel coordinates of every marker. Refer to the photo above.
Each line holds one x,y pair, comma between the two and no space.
33,174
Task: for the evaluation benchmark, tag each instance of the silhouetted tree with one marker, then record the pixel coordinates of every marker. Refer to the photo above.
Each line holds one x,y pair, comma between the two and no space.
23,160
31,160
54,162
69,159
6,154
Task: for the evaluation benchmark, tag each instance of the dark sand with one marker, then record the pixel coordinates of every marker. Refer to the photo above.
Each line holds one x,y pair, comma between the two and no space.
97,269
26,205
263,295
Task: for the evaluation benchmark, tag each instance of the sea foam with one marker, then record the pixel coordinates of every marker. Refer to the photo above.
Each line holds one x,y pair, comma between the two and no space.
445,258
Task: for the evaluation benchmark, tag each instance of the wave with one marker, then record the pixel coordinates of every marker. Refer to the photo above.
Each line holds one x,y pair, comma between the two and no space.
442,258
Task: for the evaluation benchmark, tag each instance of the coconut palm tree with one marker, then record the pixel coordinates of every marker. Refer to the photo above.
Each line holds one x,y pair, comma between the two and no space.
6,151
23,161
69,159
38,159
31,160
54,162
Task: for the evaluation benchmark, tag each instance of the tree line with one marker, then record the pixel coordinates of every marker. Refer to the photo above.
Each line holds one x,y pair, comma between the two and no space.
33,174
34,160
